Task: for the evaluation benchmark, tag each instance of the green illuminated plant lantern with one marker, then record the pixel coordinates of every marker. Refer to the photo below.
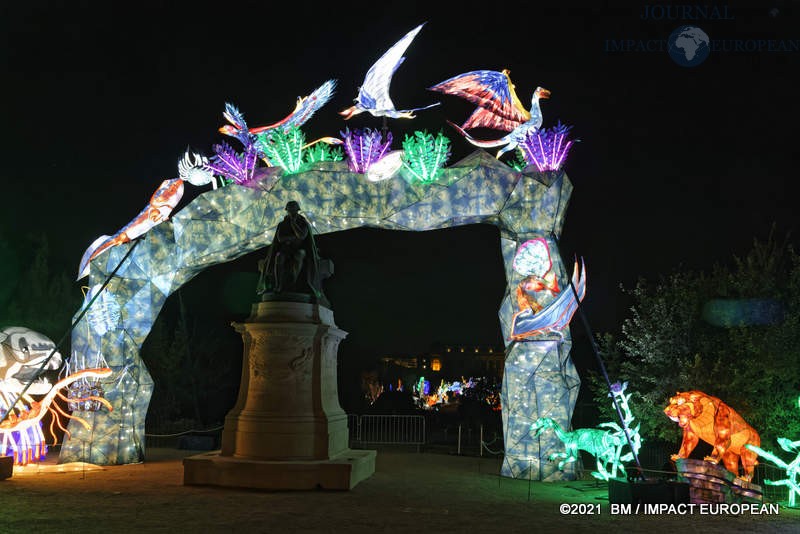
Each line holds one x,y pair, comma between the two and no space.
792,468
283,149
425,155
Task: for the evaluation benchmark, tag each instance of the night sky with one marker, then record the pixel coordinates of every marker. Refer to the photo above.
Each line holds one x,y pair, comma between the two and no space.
675,165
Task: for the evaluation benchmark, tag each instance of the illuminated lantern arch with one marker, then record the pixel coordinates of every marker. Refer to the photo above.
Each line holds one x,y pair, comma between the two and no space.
226,223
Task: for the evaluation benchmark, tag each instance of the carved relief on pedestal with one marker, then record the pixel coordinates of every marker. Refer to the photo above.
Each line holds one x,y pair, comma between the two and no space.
330,346
258,365
280,363
299,365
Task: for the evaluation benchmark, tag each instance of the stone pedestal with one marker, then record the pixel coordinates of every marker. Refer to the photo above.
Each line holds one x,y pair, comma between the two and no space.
287,430
712,483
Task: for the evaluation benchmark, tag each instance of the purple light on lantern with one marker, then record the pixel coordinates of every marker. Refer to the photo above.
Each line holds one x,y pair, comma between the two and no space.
547,148
364,147
232,165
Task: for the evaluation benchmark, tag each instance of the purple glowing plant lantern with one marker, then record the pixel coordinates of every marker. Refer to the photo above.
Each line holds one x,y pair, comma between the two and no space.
617,388
230,164
547,148
364,147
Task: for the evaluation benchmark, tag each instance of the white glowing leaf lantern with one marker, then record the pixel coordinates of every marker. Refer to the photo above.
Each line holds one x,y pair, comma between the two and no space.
533,258
386,167
192,169
105,312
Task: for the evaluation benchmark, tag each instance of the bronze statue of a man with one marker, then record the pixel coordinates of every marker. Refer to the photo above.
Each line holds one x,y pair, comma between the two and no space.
291,253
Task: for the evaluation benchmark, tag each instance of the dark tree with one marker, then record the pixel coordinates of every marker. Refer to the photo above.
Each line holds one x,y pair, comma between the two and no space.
667,346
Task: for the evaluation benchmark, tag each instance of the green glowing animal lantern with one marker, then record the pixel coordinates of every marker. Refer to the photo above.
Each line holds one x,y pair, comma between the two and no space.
604,445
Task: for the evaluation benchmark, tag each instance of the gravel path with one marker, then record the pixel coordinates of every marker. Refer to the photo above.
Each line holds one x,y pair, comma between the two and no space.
409,492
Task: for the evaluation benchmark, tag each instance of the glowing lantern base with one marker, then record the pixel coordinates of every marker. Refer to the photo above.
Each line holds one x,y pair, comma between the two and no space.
287,429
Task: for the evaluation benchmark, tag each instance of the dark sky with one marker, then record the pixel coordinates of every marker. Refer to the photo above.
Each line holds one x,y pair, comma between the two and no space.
676,166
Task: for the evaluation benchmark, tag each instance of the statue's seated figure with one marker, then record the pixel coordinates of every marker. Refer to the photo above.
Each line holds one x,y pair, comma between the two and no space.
293,269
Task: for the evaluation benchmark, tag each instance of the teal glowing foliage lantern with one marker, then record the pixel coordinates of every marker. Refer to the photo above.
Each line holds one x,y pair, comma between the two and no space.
322,152
633,439
792,480
517,162
425,155
283,148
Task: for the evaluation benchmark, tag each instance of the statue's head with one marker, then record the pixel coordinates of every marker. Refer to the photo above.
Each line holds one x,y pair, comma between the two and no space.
292,207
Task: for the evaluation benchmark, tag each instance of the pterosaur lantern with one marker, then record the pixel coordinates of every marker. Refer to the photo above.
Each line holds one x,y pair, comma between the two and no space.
381,186
373,95
499,107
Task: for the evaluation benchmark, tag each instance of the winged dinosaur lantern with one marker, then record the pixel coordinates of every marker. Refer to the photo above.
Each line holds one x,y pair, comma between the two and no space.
304,109
499,107
373,95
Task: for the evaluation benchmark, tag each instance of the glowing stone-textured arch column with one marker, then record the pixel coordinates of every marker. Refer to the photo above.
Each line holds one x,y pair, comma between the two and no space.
539,378
223,224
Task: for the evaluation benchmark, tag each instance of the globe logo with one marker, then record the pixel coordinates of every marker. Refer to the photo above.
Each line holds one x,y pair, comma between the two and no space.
688,46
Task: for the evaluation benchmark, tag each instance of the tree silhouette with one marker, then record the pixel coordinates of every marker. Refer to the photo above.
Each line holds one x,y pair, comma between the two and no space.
666,346
38,298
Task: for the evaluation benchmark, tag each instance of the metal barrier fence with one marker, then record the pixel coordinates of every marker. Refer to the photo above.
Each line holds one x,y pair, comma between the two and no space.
386,430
